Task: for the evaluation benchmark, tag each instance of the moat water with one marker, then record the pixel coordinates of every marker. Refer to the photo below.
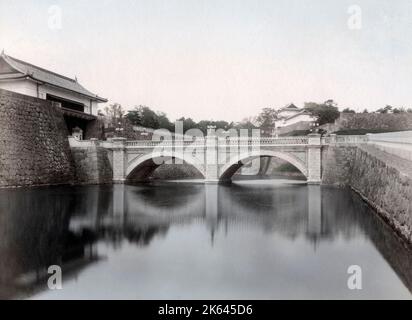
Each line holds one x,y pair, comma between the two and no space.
249,240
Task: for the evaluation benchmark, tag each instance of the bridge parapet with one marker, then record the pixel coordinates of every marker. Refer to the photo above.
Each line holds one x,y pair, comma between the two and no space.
76,143
335,139
396,143
164,143
230,141
223,141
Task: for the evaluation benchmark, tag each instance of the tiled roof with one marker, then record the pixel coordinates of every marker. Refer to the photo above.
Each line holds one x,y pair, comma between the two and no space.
289,106
49,77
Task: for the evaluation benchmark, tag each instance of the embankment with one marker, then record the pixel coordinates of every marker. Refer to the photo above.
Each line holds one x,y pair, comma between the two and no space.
92,165
382,179
34,149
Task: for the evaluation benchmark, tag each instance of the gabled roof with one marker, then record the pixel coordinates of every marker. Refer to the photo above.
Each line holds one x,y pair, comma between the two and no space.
24,69
289,106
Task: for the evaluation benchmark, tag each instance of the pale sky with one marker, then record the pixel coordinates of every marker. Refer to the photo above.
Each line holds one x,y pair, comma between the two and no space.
209,59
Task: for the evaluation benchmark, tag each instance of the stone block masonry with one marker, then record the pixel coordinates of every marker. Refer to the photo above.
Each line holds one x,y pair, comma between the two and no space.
382,179
385,181
34,149
92,165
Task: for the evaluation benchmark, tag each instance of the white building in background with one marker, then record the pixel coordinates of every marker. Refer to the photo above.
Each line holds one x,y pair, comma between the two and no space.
291,115
24,78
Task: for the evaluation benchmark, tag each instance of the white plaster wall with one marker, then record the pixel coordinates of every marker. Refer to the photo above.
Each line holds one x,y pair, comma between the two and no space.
29,88
24,86
300,118
286,114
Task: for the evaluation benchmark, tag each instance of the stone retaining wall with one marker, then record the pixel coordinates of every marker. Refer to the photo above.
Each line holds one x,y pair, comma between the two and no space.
92,165
34,149
382,179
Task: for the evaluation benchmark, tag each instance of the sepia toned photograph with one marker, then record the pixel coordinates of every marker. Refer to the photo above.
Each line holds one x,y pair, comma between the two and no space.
181,152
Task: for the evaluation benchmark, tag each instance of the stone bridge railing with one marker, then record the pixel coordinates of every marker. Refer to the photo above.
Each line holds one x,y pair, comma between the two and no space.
400,140
227,141
335,139
264,141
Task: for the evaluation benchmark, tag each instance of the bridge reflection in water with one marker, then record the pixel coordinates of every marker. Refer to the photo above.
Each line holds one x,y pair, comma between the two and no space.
80,227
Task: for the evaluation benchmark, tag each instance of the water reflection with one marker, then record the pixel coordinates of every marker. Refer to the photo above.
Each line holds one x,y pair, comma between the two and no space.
255,224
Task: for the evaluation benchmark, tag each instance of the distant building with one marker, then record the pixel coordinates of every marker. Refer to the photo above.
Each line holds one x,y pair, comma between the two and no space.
79,104
292,115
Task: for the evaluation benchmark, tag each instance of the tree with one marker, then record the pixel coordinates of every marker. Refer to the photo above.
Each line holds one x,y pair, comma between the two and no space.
348,110
134,116
164,122
114,113
326,112
221,124
385,110
365,111
266,120
330,103
399,110
245,124
267,117
149,118
188,123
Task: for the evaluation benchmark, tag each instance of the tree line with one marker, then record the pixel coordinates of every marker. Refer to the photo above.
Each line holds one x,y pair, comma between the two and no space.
146,117
384,110
326,112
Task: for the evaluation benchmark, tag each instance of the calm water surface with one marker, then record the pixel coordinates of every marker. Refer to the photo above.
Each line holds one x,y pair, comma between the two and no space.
251,240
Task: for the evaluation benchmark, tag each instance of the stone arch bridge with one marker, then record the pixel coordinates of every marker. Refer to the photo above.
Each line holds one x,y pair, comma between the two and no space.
216,158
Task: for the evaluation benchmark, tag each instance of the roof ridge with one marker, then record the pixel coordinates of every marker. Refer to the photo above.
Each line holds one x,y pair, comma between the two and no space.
298,114
49,77
43,69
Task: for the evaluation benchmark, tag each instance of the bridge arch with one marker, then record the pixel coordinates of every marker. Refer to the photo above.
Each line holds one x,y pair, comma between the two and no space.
147,163
228,170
